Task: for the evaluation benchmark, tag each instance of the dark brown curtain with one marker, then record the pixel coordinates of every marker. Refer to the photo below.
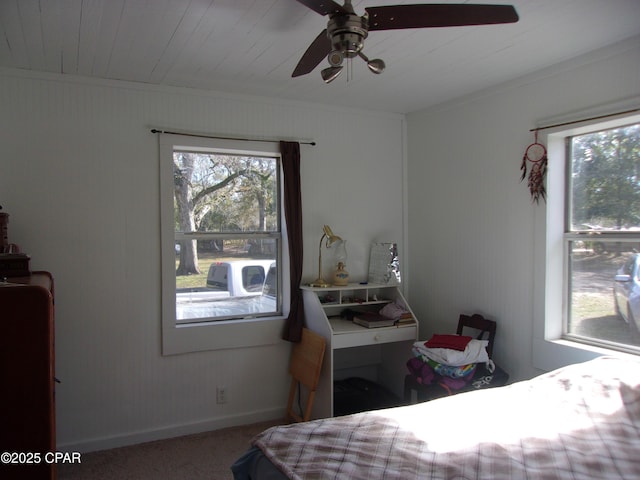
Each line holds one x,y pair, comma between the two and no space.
293,214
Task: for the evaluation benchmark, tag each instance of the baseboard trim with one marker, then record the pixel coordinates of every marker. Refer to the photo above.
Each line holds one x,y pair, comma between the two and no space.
134,438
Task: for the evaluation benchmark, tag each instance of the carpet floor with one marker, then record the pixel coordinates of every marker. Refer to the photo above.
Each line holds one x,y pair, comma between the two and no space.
193,457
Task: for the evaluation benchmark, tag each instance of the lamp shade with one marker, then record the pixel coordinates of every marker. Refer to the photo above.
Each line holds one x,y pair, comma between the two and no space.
331,237
329,74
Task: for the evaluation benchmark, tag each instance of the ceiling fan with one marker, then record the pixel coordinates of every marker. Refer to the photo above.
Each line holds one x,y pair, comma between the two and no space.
346,31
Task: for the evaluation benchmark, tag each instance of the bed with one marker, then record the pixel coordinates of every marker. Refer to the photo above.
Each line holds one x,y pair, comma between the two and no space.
578,422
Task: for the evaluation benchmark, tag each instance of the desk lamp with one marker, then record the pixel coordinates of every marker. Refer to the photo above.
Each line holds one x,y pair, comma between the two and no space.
330,240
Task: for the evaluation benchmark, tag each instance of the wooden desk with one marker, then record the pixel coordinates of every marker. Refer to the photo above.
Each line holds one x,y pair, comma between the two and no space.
377,354
27,369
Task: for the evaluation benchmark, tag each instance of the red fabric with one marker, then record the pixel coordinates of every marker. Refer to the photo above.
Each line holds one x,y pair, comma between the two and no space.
454,342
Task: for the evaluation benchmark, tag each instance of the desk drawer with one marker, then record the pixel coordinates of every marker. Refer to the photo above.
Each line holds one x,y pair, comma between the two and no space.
373,336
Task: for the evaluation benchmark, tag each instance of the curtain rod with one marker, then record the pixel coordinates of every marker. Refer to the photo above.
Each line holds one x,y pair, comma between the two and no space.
585,120
153,130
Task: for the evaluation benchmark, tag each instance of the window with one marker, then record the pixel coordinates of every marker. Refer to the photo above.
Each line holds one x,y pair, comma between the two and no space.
602,238
587,285
222,243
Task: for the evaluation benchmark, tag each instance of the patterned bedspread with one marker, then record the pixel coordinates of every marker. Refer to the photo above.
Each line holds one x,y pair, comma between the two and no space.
579,422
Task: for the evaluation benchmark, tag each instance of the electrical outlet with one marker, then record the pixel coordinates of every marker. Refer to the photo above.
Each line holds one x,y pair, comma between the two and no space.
221,395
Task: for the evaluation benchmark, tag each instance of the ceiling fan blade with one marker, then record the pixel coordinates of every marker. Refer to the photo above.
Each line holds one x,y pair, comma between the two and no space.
323,7
394,17
316,52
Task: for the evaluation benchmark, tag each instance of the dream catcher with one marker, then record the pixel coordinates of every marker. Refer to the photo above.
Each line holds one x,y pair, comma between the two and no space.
536,155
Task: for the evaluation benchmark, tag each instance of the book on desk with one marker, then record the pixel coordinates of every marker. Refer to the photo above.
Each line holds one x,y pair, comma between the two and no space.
405,320
376,320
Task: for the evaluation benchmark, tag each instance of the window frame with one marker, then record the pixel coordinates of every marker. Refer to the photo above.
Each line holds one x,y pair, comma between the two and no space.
551,348
219,334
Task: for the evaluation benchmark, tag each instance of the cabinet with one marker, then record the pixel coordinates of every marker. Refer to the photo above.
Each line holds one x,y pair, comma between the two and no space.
377,354
27,403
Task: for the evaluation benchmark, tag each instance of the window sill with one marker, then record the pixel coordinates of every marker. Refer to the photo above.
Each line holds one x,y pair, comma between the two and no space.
551,354
222,335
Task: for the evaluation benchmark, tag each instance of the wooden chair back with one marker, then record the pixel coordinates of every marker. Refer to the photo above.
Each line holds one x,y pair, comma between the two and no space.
486,327
305,366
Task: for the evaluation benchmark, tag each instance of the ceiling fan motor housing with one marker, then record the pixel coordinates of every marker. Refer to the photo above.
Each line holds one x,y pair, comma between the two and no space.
347,33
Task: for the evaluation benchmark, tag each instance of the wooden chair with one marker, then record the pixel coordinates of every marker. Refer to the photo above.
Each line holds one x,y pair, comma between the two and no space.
482,377
304,367
486,328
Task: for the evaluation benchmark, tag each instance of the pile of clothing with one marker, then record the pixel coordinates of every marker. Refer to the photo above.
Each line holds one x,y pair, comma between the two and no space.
448,360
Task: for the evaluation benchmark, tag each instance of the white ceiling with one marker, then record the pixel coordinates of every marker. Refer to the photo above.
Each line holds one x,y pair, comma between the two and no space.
252,46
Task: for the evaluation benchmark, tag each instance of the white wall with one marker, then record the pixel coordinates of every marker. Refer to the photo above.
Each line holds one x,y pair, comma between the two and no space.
79,177
471,221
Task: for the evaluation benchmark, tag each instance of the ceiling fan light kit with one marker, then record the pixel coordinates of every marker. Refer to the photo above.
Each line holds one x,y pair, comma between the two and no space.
346,31
329,74
376,65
